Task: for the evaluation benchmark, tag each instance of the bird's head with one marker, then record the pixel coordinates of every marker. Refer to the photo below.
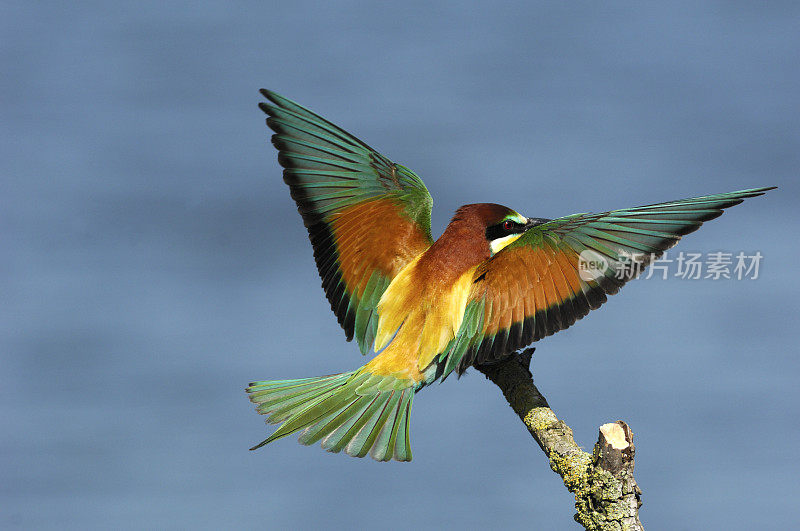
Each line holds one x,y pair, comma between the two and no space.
501,225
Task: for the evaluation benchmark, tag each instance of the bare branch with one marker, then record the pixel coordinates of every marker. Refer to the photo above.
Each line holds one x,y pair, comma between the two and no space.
606,494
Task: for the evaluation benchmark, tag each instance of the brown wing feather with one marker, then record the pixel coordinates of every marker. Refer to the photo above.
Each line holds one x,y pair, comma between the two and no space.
366,216
534,287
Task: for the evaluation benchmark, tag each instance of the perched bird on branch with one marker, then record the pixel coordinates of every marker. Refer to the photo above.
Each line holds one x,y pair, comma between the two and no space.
492,283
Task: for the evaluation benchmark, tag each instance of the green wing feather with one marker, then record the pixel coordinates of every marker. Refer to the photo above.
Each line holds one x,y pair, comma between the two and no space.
533,288
358,412
344,191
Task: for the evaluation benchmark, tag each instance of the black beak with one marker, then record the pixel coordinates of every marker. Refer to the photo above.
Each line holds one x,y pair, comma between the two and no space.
533,222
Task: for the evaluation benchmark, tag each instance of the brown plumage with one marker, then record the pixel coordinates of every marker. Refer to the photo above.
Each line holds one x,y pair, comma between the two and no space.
463,243
494,282
425,302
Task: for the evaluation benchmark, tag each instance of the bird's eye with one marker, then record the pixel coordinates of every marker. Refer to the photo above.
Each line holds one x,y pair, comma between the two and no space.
508,225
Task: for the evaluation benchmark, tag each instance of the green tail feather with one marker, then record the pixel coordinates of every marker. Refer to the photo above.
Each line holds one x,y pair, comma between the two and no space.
358,412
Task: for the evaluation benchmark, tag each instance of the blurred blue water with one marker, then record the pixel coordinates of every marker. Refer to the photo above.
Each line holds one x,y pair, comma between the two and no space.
153,262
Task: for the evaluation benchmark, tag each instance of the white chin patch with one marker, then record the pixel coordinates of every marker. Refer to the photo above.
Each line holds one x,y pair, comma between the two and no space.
499,243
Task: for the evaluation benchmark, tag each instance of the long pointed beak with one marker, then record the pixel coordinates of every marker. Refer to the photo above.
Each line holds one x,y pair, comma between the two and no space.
533,222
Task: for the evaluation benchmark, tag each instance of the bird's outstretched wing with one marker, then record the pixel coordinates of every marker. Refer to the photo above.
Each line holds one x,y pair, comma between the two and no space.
366,216
557,271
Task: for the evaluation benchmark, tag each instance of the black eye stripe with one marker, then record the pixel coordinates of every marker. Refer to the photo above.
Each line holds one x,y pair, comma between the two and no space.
498,231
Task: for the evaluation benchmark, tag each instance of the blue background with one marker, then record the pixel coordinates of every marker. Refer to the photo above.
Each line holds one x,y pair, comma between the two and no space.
152,262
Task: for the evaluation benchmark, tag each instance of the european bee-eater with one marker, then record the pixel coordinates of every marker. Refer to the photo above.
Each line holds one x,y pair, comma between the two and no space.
492,283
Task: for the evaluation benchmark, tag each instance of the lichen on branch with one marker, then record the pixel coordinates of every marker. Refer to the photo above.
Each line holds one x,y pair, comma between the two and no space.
606,494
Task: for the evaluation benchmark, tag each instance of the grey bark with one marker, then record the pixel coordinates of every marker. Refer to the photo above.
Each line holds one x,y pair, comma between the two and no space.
606,494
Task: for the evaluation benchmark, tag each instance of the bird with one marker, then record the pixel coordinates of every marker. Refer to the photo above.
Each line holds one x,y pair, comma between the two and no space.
492,283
